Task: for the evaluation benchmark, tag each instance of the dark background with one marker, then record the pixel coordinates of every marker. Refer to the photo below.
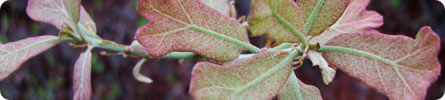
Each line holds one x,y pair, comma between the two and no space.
49,75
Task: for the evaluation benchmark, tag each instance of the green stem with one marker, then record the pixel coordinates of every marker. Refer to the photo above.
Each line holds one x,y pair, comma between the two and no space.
314,14
282,46
245,45
354,52
297,33
294,82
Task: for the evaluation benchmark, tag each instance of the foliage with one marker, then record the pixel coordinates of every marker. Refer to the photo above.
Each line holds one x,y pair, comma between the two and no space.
331,33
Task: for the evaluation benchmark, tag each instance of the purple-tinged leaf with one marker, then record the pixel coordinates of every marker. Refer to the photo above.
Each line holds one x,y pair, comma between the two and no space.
327,72
265,15
58,13
318,20
82,76
356,19
294,89
397,66
188,25
14,54
257,78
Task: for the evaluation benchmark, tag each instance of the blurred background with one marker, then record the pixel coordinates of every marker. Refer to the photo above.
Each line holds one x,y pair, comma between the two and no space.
49,75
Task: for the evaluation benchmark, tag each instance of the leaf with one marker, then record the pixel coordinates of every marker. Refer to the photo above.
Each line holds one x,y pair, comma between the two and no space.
257,78
82,76
221,5
57,13
327,72
136,46
397,66
138,75
328,13
265,19
14,54
284,20
356,19
294,86
188,25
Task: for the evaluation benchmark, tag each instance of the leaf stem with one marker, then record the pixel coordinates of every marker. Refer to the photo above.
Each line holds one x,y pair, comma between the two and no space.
247,46
297,33
294,83
282,46
355,52
314,14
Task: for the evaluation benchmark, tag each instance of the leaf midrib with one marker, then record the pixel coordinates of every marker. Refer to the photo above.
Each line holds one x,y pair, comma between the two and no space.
270,72
83,65
210,32
27,47
395,65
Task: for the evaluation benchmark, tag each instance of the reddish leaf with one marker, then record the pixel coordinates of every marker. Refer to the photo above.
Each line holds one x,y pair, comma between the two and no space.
294,86
265,15
82,76
257,78
14,54
58,13
397,66
329,12
356,19
185,25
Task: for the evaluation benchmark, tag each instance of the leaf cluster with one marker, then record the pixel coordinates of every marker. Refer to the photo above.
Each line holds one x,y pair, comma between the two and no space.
333,34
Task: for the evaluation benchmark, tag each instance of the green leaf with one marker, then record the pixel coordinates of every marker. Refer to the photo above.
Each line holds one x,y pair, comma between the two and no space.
397,66
294,89
355,19
327,72
14,54
280,20
58,13
82,76
258,78
190,25
321,14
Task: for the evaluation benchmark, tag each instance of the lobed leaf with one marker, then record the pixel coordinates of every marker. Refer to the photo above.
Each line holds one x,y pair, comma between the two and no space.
82,76
58,13
294,89
320,19
188,25
327,72
14,54
278,19
397,66
257,78
355,19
